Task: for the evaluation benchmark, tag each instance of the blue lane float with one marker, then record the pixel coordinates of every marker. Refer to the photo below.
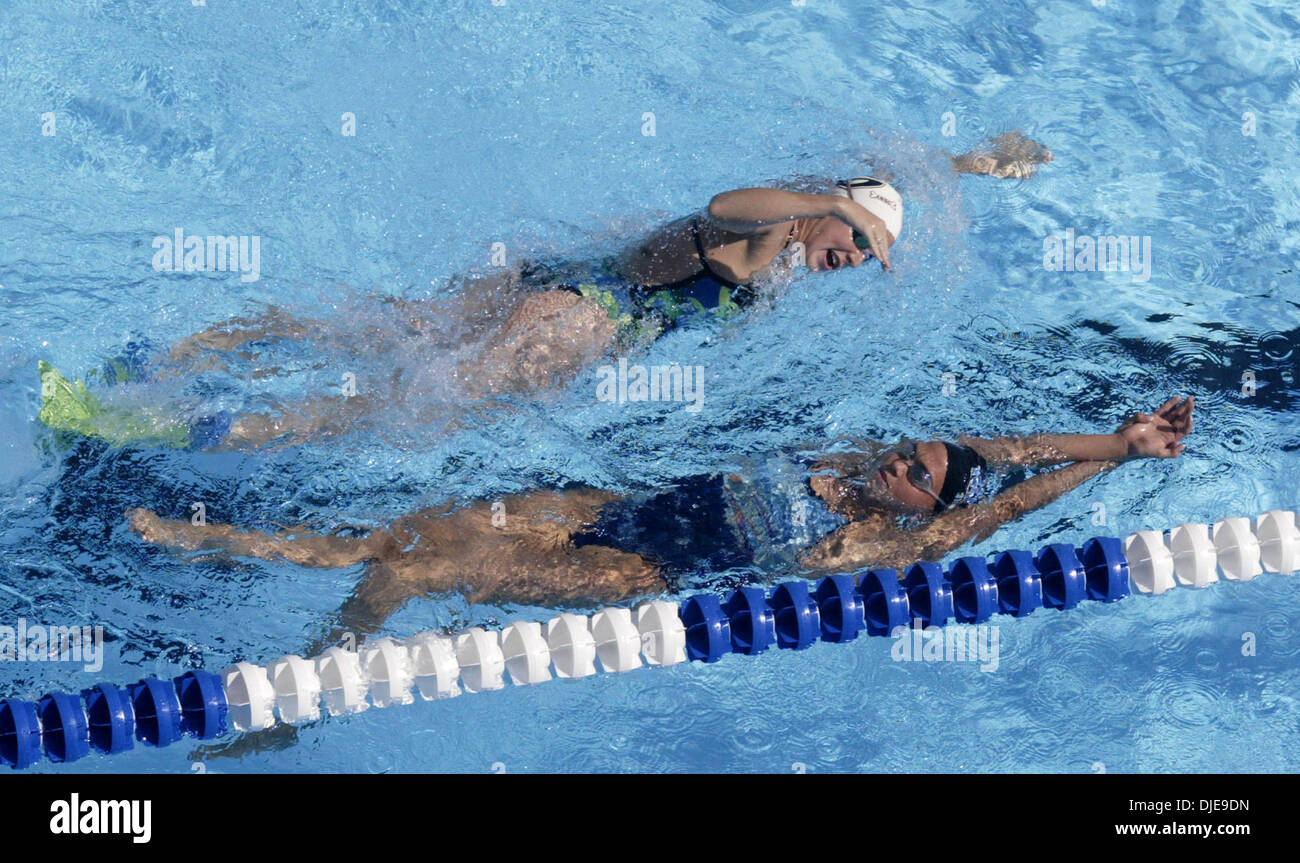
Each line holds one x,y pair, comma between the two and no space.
202,703
106,718
839,608
109,718
753,628
1020,589
157,711
884,601
1105,569
974,590
708,630
20,734
928,594
1064,585
798,621
64,732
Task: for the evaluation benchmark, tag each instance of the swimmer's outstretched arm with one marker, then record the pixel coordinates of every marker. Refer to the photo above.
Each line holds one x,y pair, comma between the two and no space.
972,524
744,211
877,543
1128,441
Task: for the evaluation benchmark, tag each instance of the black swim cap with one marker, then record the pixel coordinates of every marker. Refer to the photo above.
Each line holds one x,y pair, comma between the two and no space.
962,462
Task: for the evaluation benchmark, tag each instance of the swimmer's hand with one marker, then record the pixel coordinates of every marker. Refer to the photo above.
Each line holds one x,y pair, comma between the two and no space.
867,224
1010,154
1159,435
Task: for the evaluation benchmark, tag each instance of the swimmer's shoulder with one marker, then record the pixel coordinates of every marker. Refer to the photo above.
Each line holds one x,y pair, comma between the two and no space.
741,257
671,252
659,257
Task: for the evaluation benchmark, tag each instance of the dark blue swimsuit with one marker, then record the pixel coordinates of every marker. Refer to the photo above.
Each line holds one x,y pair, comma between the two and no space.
713,522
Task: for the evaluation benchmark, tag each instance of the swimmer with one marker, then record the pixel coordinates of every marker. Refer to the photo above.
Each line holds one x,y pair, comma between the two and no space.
547,320
871,506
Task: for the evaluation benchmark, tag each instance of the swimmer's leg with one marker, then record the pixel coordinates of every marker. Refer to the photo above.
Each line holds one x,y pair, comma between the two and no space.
379,594
303,548
547,340
515,550
68,406
295,423
589,575
274,323
584,576
519,549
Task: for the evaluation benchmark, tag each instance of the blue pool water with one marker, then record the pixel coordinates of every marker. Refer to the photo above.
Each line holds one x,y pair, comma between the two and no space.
523,124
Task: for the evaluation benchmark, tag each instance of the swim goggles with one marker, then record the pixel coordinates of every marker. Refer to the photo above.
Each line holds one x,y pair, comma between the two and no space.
860,240
917,473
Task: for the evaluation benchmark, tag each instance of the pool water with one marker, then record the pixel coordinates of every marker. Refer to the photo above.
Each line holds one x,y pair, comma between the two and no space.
528,125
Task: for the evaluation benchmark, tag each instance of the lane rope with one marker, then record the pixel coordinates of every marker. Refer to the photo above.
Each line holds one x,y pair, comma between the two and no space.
384,671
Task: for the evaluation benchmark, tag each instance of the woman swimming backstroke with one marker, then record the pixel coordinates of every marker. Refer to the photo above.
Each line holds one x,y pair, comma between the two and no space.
872,506
547,320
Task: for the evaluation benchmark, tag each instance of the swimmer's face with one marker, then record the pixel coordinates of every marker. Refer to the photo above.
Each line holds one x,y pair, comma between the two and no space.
891,479
829,246
880,482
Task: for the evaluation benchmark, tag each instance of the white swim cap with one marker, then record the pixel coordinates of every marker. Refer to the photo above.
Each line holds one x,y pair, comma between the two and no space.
878,198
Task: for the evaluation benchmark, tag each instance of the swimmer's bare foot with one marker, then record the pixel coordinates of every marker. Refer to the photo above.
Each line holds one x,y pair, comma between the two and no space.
1010,154
153,529
178,533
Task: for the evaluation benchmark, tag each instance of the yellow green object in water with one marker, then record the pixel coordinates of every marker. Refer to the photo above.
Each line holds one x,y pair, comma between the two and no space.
67,406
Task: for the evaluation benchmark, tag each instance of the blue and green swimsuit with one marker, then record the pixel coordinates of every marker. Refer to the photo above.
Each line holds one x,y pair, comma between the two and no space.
642,311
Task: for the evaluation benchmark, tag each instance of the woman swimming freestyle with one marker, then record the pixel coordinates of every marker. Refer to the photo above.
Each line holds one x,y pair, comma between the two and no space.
549,320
